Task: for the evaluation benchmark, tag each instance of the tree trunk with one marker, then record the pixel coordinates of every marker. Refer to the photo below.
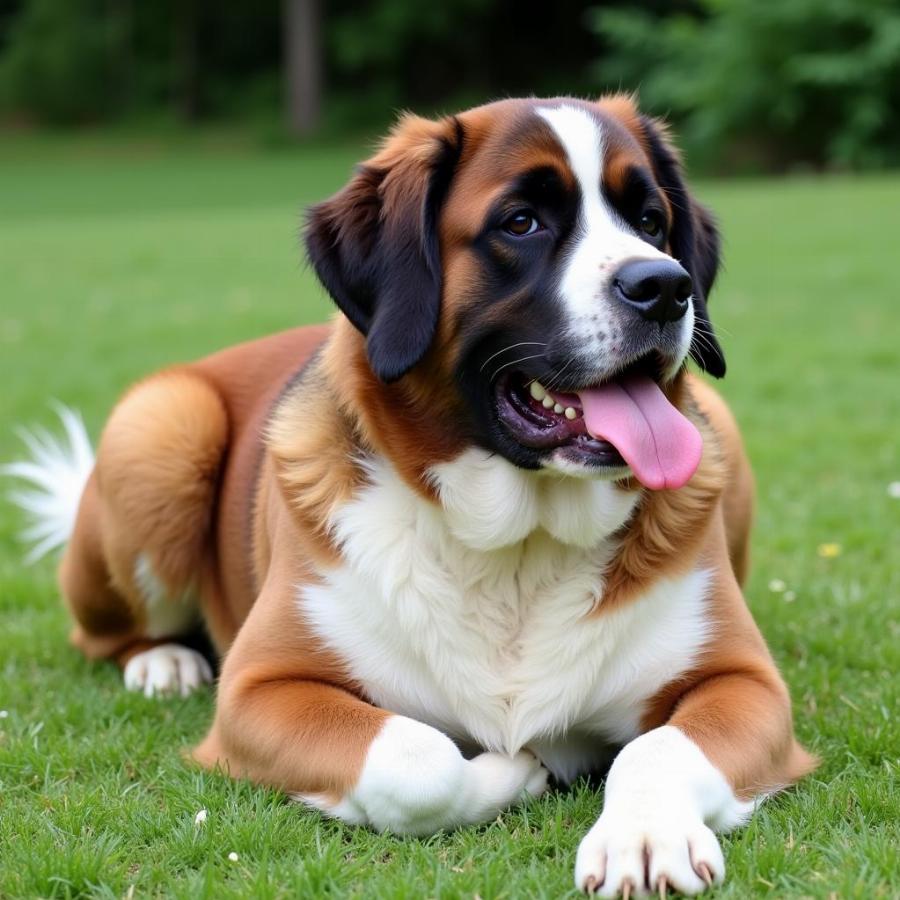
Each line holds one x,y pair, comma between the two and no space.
303,64
187,56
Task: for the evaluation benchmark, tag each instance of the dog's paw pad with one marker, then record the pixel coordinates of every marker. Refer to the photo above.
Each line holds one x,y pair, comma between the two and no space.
166,670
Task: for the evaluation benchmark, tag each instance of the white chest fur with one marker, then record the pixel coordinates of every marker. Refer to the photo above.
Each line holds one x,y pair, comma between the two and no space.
472,616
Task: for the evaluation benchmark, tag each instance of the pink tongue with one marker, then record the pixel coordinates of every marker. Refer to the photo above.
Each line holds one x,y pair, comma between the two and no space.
662,447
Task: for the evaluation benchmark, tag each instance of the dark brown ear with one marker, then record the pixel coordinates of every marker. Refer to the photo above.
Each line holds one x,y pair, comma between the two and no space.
375,244
694,242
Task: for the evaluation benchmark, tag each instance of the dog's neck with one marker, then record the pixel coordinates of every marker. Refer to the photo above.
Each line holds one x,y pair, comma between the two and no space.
486,501
490,503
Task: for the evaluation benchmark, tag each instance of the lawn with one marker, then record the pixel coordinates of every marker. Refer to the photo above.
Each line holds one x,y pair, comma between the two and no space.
120,256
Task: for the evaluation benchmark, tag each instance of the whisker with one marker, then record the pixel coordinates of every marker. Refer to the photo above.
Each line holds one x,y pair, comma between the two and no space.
706,336
720,328
515,362
701,338
511,347
702,341
557,377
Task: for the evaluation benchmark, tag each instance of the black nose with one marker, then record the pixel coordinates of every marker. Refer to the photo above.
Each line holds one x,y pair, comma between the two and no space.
657,289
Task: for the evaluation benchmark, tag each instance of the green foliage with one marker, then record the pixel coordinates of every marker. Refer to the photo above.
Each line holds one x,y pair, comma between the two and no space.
765,83
66,62
399,25
447,55
72,61
392,51
60,60
751,84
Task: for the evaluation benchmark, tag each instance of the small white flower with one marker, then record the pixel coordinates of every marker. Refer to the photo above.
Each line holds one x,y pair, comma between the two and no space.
4,713
894,490
233,856
200,818
777,586
789,597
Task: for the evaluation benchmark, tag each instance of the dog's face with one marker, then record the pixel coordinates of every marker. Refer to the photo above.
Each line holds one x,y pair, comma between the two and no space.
545,259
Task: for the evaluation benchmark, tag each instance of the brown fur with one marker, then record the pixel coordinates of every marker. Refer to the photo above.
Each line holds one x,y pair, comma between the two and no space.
314,464
663,538
734,704
737,501
151,493
412,421
287,715
157,467
105,623
184,475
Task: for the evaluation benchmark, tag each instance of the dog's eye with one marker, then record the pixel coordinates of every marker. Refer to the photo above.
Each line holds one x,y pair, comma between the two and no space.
521,223
651,223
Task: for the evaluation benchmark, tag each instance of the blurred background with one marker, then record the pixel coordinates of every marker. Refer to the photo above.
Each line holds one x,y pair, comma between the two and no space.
752,85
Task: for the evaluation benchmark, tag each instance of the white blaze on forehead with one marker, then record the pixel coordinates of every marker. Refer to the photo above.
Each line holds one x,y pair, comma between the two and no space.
603,239
580,135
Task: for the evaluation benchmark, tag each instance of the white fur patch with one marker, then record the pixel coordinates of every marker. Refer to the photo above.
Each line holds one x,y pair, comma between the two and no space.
416,781
167,669
663,799
494,646
165,615
57,470
605,241
685,338
489,503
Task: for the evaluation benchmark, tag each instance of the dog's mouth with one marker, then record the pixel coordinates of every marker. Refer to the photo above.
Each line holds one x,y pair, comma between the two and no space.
624,421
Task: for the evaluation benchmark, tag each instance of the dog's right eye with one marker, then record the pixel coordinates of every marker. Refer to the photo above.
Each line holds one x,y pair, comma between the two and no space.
521,223
652,223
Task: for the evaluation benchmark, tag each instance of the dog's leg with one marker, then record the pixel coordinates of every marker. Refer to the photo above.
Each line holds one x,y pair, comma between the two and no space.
414,780
359,763
287,716
726,742
130,573
670,789
111,625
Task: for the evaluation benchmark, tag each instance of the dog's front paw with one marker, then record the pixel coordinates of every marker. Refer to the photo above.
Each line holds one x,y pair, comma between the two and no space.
628,853
167,669
497,782
661,792
416,781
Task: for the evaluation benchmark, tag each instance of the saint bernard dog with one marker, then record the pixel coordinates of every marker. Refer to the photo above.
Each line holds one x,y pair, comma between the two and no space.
482,530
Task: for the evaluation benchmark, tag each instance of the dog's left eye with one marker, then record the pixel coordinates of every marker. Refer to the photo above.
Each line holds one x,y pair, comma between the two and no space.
521,223
651,223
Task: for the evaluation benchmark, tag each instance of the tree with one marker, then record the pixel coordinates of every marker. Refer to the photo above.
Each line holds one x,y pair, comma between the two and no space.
303,64
765,84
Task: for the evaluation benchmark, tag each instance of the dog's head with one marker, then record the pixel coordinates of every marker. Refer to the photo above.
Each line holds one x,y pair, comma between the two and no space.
543,258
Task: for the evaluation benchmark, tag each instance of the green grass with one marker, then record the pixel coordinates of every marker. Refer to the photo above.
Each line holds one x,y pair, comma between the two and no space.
118,259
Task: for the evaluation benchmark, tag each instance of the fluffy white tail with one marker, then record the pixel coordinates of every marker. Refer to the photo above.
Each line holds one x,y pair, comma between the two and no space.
57,471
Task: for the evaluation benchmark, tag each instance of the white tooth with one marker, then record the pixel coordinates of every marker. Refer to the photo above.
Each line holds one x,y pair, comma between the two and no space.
570,412
548,402
557,408
537,390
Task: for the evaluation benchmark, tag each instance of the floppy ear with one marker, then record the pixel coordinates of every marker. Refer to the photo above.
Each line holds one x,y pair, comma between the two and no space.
375,244
694,242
